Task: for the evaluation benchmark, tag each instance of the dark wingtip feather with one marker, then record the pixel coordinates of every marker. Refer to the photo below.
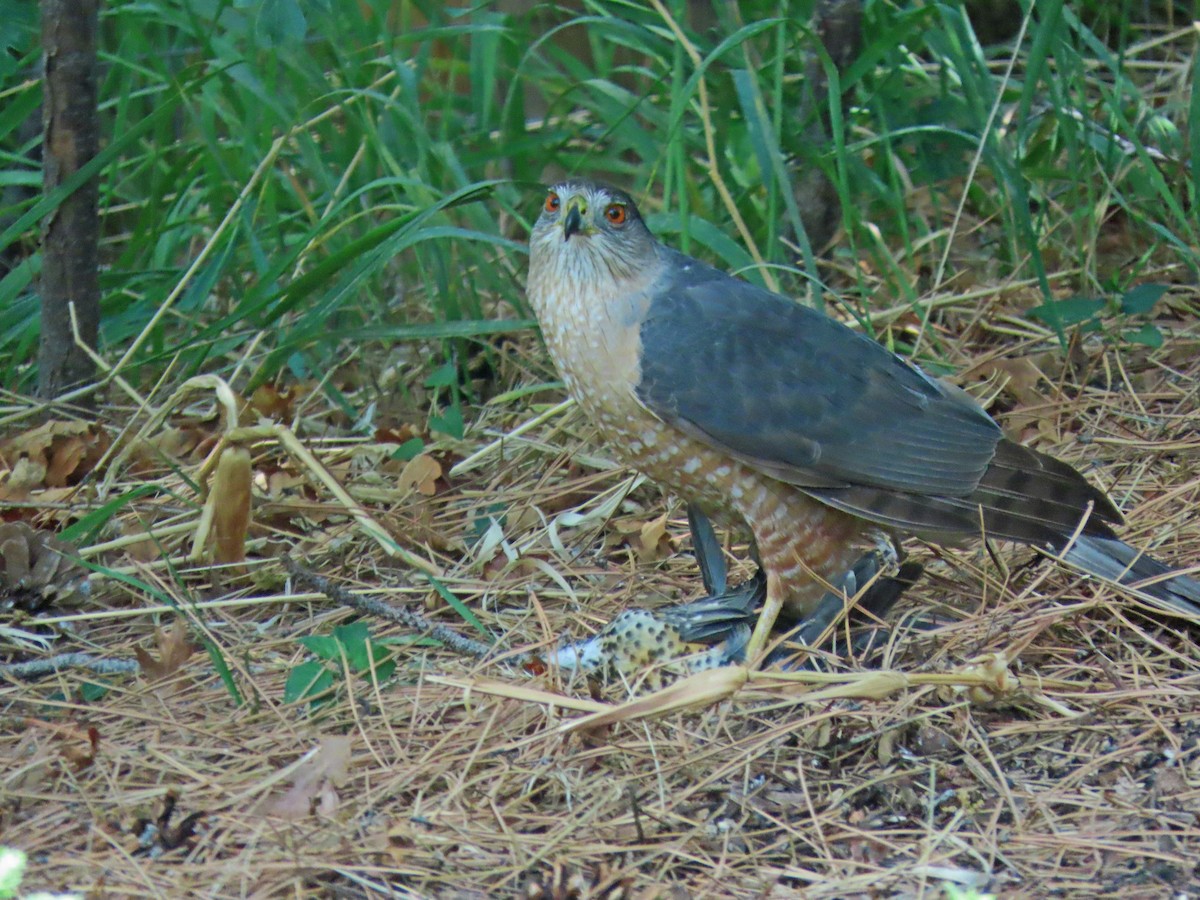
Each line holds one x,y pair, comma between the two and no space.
708,551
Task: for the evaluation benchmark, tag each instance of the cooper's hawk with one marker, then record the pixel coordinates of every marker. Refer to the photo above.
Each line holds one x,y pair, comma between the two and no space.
753,405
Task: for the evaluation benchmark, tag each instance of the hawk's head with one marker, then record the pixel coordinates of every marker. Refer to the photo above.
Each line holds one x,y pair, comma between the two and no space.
589,229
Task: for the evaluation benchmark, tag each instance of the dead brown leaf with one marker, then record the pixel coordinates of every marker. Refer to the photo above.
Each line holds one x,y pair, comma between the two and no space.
174,648
145,549
282,483
655,542
67,450
272,403
648,539
313,789
421,473
69,454
400,435
77,745
1020,378
26,475
180,443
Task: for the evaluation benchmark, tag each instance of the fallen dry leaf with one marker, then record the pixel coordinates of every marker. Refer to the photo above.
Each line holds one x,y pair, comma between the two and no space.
174,648
67,450
421,473
77,746
145,549
400,435
181,442
26,475
272,403
1020,378
281,483
655,542
648,539
313,785
66,458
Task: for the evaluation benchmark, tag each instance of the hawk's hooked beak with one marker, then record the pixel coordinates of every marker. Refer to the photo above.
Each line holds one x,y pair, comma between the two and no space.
573,218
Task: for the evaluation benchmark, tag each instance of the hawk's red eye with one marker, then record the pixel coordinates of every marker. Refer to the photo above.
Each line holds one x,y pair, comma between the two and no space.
553,203
616,214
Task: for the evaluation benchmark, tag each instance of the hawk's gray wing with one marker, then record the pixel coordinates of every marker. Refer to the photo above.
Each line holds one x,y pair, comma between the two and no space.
801,396
806,400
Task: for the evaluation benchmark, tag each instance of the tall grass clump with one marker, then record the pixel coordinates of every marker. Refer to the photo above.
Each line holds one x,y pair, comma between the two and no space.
288,185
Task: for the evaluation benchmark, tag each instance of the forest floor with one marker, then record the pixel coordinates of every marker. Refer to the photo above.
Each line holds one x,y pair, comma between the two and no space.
442,775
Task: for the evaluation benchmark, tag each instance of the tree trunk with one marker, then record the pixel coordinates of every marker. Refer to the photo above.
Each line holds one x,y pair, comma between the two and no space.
838,24
70,234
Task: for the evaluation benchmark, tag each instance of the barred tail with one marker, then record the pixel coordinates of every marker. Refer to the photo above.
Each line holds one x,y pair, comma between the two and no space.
1141,575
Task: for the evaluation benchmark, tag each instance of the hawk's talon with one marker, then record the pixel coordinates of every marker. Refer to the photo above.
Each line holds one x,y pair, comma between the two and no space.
715,630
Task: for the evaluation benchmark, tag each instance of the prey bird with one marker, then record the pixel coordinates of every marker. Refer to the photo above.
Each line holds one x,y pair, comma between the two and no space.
714,630
815,436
